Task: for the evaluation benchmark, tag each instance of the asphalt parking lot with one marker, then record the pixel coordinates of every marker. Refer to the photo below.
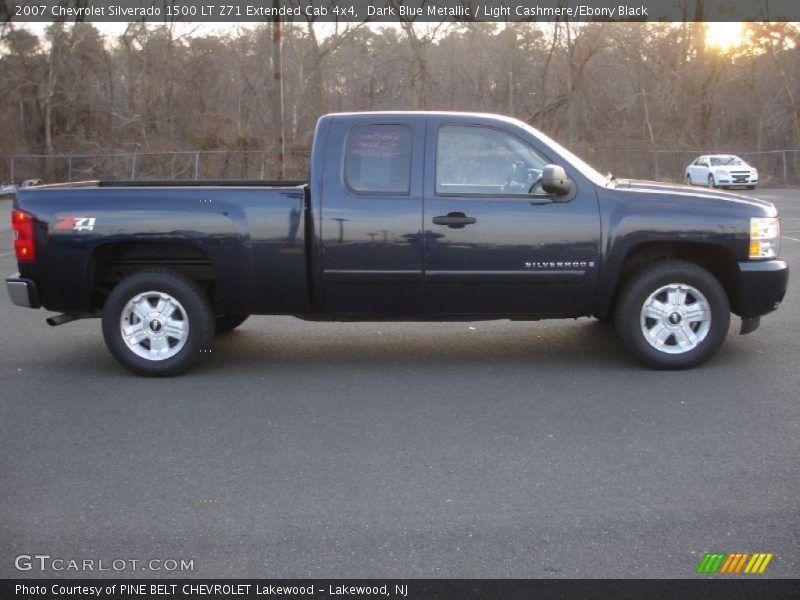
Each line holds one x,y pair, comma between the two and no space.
492,449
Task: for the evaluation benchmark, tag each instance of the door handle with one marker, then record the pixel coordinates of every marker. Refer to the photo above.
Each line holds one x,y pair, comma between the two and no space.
455,220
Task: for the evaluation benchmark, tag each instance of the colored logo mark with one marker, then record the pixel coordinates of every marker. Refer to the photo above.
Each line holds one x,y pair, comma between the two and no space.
738,562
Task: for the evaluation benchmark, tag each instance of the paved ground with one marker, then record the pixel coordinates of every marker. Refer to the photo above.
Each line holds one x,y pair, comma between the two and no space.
465,450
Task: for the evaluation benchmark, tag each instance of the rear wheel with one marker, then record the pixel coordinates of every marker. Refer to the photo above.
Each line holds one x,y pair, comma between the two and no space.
688,180
157,322
227,323
672,315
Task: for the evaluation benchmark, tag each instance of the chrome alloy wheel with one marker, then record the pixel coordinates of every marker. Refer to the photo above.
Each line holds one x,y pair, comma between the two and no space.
154,325
675,318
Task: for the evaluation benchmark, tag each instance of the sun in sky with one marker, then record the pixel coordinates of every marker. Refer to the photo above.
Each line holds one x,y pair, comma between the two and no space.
725,36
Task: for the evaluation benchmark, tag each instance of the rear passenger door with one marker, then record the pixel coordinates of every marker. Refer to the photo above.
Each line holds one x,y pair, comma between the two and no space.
371,215
700,171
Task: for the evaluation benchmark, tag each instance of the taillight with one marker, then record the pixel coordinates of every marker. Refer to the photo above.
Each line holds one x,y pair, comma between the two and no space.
22,225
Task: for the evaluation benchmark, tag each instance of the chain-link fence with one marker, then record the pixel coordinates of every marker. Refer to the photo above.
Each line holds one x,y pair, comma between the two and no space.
776,167
198,164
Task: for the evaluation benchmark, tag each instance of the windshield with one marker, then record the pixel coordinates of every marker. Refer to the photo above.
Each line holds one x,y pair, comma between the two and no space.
588,171
718,161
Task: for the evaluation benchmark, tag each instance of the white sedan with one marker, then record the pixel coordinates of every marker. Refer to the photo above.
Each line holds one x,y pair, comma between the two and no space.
721,170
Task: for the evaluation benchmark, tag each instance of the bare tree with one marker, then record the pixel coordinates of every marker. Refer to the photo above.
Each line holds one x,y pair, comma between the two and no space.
623,86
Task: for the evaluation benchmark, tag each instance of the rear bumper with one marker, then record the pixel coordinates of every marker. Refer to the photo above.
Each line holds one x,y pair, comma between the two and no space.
762,286
23,292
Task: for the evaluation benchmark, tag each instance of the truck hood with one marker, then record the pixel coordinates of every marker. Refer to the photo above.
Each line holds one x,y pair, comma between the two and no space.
697,194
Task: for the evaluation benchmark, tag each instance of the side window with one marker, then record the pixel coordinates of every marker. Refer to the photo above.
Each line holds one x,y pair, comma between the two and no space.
484,161
378,159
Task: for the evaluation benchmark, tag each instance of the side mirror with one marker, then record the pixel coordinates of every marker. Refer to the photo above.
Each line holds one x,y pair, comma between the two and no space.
555,181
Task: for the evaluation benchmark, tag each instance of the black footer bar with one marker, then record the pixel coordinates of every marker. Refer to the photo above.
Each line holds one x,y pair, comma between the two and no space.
399,589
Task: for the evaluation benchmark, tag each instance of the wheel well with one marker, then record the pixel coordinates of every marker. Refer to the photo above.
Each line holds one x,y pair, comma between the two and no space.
111,263
717,261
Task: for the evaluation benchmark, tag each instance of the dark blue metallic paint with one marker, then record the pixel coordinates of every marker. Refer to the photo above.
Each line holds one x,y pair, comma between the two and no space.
322,251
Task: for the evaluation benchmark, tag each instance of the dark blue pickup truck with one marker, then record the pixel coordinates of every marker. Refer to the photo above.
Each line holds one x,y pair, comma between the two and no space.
405,216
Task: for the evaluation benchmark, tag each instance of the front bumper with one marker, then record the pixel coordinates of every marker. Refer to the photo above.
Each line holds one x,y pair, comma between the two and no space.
762,286
23,292
736,179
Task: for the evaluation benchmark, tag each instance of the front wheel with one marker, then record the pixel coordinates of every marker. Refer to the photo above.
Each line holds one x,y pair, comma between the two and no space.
672,315
689,180
157,322
711,182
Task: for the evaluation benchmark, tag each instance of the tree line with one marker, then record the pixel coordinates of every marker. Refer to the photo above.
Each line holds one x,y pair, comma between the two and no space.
595,87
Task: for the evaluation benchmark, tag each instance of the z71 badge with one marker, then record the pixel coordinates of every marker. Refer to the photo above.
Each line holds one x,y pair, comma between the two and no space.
76,223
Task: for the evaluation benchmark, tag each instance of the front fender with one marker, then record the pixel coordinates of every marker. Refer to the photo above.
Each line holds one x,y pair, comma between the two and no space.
633,220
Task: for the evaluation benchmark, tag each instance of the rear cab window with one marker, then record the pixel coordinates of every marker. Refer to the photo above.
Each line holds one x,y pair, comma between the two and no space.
378,159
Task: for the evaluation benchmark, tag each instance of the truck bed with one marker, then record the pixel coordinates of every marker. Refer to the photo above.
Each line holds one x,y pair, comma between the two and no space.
246,239
269,183
111,183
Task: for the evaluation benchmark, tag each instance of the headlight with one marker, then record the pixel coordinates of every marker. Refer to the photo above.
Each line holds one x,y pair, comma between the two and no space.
723,173
765,237
753,173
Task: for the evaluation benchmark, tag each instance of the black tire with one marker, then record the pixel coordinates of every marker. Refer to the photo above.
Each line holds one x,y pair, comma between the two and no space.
639,288
689,180
193,307
711,182
751,187
227,323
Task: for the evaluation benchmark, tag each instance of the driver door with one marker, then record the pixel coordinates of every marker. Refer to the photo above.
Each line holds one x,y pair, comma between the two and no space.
491,246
